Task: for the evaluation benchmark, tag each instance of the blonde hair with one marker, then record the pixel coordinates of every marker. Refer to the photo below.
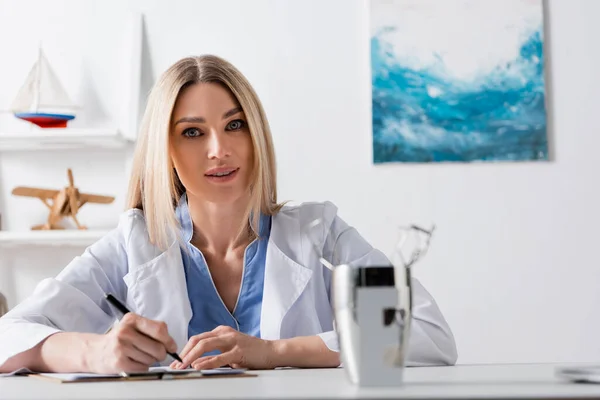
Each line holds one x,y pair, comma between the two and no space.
154,186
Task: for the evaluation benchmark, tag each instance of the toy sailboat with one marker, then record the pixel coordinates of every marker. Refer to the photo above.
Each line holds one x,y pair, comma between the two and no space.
42,99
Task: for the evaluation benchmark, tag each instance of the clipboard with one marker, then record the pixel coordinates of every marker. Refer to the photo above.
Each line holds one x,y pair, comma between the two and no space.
151,375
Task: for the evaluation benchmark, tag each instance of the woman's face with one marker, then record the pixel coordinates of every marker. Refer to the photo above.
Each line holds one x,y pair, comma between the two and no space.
211,147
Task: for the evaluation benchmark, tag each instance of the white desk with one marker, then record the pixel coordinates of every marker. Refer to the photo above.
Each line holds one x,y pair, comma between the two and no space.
490,381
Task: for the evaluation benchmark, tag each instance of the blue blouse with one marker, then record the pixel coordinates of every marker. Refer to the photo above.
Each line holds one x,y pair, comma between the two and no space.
208,309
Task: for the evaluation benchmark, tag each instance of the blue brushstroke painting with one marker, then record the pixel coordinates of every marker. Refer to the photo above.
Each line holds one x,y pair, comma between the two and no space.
422,112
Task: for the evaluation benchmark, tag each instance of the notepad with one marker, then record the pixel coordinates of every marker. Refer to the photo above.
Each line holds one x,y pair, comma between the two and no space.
154,373
20,371
76,377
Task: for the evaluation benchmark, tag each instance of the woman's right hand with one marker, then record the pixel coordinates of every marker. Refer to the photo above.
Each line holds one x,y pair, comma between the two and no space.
135,344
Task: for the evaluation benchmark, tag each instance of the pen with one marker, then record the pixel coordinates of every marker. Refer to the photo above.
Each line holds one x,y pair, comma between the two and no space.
119,306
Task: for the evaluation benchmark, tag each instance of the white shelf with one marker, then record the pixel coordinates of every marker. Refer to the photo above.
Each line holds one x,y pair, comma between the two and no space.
54,238
62,139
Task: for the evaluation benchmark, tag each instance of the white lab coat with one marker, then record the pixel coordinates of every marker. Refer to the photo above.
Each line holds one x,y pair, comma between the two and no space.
296,297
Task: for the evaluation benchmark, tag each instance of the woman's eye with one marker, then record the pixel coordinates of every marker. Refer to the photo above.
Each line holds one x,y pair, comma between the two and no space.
191,132
235,125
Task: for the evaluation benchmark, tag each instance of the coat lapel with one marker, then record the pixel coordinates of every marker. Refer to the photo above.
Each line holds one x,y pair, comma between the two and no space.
285,279
158,291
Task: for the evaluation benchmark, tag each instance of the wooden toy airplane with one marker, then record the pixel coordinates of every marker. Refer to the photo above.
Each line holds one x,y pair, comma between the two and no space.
65,202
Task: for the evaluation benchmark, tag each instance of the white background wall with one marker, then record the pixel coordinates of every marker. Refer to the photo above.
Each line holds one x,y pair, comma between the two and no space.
514,262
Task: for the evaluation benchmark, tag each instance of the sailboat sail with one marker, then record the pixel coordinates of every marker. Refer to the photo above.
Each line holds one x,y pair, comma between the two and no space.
41,90
25,96
42,99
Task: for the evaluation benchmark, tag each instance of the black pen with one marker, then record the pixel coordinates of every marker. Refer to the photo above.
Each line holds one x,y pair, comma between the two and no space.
119,306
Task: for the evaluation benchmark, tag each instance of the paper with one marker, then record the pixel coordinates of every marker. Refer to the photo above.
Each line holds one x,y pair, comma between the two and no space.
189,370
152,371
20,371
223,371
160,371
215,371
69,377
77,377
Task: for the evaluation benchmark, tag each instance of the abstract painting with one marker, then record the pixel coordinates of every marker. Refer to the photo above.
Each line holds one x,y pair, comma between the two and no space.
458,81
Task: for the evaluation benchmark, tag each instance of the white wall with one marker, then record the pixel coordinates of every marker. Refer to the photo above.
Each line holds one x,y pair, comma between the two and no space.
513,264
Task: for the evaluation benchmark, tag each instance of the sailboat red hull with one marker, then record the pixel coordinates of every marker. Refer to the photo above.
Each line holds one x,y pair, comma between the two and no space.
46,120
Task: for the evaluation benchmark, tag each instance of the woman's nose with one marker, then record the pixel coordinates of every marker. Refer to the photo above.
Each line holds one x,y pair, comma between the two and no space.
218,146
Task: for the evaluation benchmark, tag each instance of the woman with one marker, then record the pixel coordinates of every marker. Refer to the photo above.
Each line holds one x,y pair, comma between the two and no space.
208,262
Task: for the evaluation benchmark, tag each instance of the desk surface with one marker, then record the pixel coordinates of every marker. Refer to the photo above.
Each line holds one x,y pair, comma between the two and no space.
482,381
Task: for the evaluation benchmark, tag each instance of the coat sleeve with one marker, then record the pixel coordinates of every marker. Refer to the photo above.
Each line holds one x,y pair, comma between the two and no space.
73,301
431,341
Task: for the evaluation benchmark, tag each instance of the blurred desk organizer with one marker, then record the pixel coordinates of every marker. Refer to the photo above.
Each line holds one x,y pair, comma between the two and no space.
373,312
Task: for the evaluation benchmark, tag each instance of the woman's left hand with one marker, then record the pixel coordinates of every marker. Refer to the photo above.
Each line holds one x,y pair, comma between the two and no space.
238,350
